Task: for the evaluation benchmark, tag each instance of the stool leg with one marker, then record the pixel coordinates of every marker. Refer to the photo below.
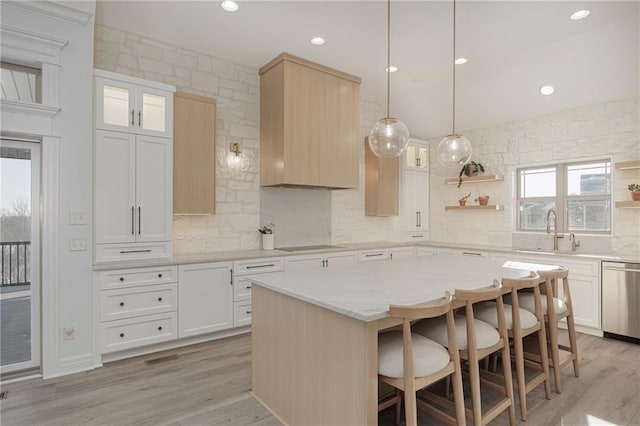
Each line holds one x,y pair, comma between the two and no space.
476,402
544,359
398,406
555,355
522,386
458,395
574,344
508,382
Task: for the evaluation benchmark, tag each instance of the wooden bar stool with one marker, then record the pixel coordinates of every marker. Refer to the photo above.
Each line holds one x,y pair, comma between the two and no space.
555,309
520,324
477,340
410,362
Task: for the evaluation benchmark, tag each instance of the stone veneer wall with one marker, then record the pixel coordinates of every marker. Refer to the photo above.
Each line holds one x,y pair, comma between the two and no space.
237,91
595,131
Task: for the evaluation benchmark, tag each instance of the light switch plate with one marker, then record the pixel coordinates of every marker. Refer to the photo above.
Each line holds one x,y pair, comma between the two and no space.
77,218
77,244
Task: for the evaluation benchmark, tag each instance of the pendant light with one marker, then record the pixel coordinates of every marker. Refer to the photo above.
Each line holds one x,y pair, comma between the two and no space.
454,149
389,137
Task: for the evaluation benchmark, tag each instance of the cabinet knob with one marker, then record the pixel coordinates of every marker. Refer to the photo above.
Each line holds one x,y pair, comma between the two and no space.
121,279
121,303
159,275
159,299
121,334
160,328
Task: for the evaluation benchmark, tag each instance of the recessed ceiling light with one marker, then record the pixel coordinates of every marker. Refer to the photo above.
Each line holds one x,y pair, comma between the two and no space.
460,61
547,90
391,69
318,41
229,5
581,14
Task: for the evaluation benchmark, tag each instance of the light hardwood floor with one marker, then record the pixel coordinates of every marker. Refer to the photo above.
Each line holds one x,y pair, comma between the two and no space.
208,384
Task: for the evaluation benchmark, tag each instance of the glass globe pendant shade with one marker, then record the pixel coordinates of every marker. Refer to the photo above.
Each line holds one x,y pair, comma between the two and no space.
454,150
389,137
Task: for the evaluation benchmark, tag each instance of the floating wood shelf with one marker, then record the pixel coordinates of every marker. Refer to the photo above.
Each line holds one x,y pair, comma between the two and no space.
496,207
628,165
474,179
628,204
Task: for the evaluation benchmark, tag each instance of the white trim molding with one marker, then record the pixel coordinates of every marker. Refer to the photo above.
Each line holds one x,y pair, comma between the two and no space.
53,9
29,48
27,118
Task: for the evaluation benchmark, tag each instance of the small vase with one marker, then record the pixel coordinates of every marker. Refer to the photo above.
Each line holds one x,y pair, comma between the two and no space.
462,203
635,195
267,241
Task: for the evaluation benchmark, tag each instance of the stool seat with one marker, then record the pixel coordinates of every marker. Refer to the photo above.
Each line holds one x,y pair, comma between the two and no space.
527,301
436,330
428,356
488,312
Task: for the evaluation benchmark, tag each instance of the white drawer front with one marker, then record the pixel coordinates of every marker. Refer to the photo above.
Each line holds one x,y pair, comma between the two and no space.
417,236
122,278
373,255
241,289
258,266
130,333
398,253
580,268
241,313
138,301
132,251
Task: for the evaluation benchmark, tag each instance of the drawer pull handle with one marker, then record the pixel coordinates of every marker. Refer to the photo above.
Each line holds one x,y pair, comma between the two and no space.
159,275
134,251
160,328
121,334
248,287
121,279
159,299
248,312
417,236
373,255
261,266
121,303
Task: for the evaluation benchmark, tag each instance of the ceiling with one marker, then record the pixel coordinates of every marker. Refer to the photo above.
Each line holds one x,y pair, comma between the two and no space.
513,47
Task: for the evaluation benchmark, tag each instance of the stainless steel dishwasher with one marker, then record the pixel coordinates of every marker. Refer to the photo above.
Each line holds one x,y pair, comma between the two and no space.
621,300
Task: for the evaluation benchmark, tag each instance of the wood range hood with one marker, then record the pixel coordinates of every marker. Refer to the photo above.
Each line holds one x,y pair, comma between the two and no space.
309,125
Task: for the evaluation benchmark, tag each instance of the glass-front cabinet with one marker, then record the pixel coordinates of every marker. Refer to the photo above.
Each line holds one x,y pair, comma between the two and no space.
129,107
416,156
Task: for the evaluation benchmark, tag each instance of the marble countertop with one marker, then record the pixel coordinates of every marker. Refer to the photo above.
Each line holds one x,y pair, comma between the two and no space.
218,256
364,291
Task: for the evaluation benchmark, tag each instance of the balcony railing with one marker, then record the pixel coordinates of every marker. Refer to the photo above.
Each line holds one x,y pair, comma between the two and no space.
14,266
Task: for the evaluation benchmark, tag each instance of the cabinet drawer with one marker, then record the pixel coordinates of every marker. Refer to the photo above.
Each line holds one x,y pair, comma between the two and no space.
130,333
373,255
132,251
474,253
580,268
121,278
138,301
241,313
241,289
398,253
417,236
258,266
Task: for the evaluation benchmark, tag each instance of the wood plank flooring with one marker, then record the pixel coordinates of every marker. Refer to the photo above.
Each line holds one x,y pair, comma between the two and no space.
208,384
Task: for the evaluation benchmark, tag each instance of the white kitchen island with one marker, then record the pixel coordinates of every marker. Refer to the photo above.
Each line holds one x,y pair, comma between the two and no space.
315,334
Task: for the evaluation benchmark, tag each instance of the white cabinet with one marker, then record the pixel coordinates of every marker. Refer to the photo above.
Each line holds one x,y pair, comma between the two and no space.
430,251
132,105
415,191
133,196
137,307
205,298
133,171
397,253
310,262
242,285
373,255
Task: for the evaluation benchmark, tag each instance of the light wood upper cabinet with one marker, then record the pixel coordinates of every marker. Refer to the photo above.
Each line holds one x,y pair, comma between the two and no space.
194,156
309,124
381,184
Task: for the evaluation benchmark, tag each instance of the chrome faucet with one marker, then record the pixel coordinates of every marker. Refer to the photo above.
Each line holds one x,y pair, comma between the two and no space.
555,228
574,244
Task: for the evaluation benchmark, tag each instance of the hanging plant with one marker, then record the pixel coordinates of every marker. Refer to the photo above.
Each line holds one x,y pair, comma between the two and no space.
470,169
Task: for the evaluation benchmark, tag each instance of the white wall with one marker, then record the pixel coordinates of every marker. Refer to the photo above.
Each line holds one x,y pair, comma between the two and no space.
68,284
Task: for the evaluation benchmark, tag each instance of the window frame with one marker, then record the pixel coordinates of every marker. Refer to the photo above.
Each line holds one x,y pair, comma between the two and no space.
562,197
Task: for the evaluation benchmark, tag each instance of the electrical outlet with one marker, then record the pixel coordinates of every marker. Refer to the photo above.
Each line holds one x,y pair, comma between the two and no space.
77,244
77,218
69,332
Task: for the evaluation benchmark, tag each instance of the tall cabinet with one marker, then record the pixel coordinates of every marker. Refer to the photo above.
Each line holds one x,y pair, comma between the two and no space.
133,172
415,190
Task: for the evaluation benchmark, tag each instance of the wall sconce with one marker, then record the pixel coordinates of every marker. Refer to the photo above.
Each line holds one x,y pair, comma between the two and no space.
235,149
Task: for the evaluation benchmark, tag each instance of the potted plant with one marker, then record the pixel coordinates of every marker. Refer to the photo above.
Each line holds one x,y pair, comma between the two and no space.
635,191
267,236
483,200
470,169
463,201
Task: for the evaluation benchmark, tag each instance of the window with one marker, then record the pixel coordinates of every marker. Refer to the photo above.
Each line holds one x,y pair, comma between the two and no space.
18,83
580,194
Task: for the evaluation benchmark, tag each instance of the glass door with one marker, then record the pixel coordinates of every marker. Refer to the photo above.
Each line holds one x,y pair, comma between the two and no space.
20,255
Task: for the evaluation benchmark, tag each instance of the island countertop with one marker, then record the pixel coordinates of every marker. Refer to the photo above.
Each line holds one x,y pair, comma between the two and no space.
364,291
